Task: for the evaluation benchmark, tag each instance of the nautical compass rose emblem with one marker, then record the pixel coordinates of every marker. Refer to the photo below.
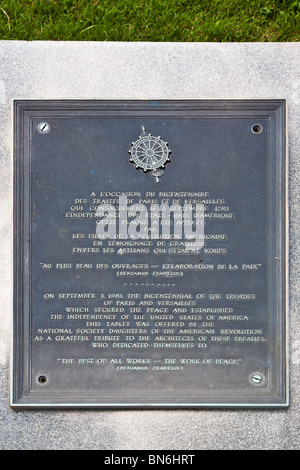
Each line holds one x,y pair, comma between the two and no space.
150,153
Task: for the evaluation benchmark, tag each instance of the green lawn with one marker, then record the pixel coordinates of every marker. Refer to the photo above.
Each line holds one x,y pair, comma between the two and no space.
150,20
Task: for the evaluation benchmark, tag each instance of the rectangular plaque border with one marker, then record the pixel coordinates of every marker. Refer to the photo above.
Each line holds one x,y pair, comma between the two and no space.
24,111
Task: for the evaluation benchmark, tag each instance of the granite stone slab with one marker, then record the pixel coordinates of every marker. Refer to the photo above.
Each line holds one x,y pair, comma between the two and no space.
91,70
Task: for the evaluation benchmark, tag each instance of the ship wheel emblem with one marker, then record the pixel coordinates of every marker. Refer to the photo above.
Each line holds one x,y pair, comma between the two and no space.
150,153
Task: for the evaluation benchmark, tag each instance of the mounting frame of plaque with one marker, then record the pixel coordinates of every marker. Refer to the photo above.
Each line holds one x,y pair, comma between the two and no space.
32,389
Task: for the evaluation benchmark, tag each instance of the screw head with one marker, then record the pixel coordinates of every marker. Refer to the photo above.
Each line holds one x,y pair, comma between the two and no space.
256,128
42,379
43,127
256,378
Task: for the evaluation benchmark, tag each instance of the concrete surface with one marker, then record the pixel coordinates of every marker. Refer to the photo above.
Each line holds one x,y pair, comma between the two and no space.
45,70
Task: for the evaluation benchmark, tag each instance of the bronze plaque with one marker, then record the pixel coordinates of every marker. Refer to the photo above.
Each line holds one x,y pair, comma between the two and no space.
150,264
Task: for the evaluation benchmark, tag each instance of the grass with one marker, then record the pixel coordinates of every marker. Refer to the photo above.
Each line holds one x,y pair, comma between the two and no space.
150,20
